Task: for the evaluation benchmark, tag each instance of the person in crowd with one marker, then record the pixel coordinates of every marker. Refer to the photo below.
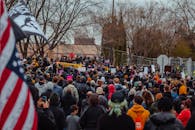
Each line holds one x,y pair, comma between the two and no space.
117,84
74,90
56,88
41,86
111,90
154,106
138,113
85,102
90,115
182,88
191,125
58,112
46,119
174,93
67,101
101,97
148,99
167,92
116,118
72,120
185,114
164,119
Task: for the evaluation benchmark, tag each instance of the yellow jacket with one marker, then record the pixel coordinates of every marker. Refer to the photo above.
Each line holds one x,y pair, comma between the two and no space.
138,110
183,90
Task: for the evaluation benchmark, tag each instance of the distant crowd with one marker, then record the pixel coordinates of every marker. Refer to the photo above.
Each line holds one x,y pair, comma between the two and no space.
107,97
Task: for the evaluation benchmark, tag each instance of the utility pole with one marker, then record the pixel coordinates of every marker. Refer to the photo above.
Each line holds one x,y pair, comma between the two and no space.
113,9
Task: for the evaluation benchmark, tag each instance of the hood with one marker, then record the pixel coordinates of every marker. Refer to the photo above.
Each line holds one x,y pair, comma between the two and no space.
138,108
162,118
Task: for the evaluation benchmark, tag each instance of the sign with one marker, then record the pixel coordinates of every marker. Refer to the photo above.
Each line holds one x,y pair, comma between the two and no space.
81,69
189,66
145,70
65,64
162,60
113,70
153,68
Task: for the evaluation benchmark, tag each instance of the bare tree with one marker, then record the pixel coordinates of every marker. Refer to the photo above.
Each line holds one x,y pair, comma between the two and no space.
59,19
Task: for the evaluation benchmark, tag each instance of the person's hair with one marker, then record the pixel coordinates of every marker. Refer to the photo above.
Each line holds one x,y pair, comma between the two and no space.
187,103
55,79
165,104
54,99
73,108
147,98
167,88
70,81
93,99
138,100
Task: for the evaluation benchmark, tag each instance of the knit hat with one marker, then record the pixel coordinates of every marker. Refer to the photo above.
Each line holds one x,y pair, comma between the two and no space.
69,78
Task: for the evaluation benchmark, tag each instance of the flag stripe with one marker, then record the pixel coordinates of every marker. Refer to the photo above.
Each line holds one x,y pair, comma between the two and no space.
30,118
5,37
4,76
17,109
7,90
24,113
10,103
7,52
1,8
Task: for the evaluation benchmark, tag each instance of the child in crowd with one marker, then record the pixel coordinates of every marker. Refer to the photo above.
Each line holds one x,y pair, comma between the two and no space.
72,120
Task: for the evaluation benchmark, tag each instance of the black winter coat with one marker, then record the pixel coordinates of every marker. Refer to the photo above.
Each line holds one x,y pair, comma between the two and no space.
46,120
89,117
67,101
113,122
59,117
163,121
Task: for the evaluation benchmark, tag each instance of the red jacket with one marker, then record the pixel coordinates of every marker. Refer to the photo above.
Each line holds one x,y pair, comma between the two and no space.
184,116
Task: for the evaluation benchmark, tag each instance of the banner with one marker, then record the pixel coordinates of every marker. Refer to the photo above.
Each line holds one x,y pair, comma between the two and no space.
22,16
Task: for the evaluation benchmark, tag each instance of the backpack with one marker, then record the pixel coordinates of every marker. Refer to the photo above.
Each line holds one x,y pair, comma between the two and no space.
138,122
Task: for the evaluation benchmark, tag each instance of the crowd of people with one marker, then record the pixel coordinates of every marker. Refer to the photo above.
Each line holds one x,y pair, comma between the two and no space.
100,99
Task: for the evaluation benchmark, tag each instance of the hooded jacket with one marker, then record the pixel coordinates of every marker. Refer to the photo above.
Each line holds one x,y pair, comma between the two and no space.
138,110
163,121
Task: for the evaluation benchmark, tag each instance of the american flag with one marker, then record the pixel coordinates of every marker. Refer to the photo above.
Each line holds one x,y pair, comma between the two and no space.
16,104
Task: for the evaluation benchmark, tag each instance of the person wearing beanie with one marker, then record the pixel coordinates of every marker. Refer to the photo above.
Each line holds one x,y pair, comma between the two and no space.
70,85
116,119
138,113
164,119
